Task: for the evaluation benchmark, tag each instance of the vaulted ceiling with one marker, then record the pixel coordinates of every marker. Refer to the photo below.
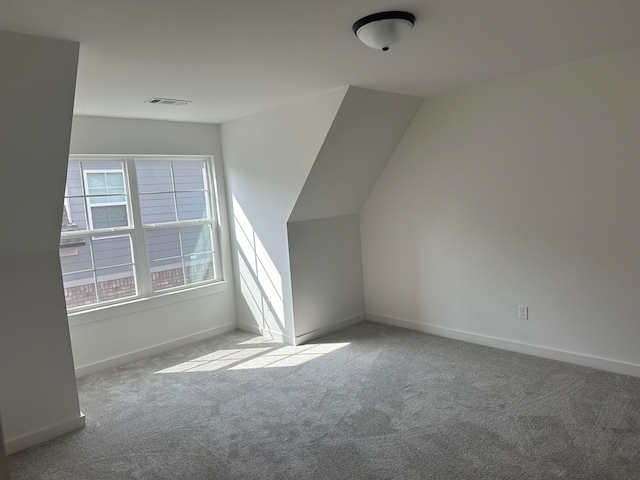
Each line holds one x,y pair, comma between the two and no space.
233,58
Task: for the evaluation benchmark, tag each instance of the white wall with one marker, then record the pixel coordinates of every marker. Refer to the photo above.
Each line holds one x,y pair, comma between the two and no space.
326,274
267,159
38,395
522,191
324,237
122,334
314,159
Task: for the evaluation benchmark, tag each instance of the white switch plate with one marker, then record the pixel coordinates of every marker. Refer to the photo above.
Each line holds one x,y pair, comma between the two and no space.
523,312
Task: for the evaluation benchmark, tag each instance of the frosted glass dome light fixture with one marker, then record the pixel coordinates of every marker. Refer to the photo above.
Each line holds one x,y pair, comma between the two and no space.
383,30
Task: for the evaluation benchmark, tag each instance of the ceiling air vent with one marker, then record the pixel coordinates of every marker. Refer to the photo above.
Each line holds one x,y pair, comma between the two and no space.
168,101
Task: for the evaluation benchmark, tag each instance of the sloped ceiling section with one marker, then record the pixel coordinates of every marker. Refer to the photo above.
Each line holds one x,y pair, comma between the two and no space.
362,138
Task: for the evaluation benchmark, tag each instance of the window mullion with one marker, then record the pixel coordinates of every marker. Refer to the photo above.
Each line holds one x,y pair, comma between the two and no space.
184,267
141,258
217,258
215,226
93,269
174,194
87,222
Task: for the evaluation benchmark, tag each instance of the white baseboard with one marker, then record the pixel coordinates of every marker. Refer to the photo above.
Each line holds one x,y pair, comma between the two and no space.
249,328
277,336
49,433
306,337
607,364
321,332
147,352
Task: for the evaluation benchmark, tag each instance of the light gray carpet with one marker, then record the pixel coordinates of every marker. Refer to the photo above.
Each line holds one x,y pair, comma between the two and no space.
368,402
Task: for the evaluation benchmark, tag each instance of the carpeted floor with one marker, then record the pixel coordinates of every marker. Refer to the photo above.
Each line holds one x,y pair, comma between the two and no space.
368,402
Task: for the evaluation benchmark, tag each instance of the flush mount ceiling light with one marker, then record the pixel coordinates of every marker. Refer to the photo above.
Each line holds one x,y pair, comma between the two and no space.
383,30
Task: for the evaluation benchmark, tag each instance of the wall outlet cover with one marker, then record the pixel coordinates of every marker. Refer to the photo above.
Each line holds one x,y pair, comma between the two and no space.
523,312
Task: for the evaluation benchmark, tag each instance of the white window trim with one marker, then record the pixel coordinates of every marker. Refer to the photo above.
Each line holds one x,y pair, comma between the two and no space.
146,298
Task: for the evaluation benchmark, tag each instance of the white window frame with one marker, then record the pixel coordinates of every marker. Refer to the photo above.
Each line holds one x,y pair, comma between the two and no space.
145,297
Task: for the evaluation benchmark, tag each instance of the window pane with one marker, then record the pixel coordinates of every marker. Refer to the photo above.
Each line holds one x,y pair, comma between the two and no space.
166,273
79,289
157,208
172,191
76,262
165,258
112,251
199,268
105,260
76,216
105,183
154,176
74,178
192,205
75,255
196,239
96,183
109,216
117,282
169,248
189,175
115,182
103,177
164,243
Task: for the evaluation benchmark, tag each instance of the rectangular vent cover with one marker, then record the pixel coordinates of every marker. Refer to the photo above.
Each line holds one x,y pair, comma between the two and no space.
167,101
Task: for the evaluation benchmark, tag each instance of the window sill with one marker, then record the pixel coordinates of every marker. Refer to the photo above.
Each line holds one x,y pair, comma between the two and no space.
146,303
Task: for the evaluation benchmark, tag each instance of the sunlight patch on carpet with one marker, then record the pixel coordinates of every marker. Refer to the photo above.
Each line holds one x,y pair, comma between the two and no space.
254,357
289,356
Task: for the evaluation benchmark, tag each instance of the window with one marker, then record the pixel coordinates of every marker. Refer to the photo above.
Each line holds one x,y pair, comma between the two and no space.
137,227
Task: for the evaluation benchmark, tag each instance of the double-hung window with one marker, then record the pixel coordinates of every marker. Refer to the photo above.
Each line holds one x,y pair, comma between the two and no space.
137,227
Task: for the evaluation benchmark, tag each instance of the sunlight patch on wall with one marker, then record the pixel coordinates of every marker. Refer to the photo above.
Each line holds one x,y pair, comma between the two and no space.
260,281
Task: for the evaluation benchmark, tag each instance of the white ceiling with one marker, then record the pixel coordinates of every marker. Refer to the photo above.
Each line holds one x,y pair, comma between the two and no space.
233,58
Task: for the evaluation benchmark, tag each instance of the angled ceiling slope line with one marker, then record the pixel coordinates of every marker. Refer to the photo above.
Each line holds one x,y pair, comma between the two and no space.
360,142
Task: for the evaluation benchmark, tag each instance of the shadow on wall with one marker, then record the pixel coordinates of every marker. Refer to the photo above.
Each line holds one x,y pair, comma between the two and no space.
260,281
